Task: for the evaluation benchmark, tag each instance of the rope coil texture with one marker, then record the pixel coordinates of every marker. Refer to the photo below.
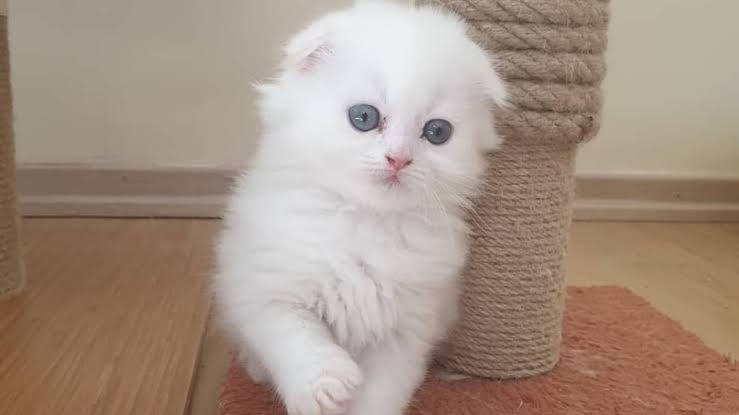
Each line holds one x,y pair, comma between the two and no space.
550,53
11,269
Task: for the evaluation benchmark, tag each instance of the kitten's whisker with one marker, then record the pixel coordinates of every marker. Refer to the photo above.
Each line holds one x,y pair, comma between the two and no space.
462,201
426,205
447,220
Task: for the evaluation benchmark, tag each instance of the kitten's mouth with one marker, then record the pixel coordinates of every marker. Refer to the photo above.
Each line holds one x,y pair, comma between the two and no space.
390,180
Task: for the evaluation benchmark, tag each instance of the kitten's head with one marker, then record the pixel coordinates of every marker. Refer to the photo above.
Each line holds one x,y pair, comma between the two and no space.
387,106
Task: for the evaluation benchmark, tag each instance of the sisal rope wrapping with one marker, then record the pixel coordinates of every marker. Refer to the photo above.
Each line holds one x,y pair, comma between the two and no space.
550,53
11,269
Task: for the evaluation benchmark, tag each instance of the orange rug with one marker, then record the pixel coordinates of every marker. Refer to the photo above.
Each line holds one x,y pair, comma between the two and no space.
619,357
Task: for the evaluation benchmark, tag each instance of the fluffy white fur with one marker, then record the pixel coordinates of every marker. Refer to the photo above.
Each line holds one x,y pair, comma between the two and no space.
335,282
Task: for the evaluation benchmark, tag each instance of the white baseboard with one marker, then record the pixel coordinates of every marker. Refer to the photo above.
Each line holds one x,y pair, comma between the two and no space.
91,190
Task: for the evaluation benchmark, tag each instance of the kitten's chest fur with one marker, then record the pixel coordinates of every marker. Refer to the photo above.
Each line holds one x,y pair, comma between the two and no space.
388,273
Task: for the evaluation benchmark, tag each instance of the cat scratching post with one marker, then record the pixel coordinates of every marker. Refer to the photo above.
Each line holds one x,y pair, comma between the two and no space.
550,52
11,269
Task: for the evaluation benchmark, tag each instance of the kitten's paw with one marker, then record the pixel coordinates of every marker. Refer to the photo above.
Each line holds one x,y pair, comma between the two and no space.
330,392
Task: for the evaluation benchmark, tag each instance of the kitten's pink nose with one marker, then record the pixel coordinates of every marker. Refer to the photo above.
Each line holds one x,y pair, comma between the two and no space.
398,163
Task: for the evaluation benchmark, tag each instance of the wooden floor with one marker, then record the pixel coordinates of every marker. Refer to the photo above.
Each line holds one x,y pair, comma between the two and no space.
111,321
115,316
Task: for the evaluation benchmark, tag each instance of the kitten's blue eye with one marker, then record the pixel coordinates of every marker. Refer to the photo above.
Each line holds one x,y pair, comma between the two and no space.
438,131
364,117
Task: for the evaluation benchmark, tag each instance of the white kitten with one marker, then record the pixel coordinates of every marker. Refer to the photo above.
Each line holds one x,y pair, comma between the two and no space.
338,268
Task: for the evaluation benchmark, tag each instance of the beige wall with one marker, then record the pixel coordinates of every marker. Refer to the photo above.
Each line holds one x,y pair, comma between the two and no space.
672,91
141,82
168,82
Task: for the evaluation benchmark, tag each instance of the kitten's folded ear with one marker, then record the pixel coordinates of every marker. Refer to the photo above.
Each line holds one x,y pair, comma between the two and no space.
309,48
495,91
494,86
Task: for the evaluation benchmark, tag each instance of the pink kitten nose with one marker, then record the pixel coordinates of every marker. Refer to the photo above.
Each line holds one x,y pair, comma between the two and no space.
398,163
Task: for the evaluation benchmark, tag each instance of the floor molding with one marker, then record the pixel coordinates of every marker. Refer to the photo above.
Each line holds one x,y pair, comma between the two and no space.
660,198
93,190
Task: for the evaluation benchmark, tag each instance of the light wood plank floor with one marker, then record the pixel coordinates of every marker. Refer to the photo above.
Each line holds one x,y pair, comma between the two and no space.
115,317
111,321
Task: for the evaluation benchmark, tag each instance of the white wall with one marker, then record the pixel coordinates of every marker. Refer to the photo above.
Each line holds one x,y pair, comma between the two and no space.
168,82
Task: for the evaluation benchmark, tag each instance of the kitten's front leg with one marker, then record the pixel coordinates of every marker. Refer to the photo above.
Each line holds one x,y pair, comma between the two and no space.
312,374
254,368
393,371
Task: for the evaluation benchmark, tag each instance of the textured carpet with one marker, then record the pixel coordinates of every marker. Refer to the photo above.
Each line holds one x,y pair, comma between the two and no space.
619,357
